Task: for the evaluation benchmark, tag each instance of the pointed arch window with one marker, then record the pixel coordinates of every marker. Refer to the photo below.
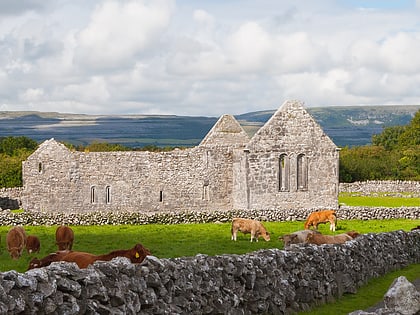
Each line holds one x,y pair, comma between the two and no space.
284,172
92,194
108,195
302,172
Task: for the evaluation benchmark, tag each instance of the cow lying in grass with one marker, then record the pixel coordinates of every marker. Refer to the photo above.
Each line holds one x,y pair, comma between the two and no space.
136,255
254,227
324,216
319,239
298,237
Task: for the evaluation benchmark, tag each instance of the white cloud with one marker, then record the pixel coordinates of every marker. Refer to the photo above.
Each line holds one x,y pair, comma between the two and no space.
32,95
205,58
119,31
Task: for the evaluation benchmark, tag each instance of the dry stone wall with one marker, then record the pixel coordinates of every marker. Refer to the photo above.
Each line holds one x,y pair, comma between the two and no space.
263,282
385,186
117,218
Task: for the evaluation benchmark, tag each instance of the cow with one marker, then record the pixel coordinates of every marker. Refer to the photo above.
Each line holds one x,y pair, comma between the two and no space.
324,216
297,237
136,255
64,237
319,239
16,241
353,234
249,226
47,260
33,245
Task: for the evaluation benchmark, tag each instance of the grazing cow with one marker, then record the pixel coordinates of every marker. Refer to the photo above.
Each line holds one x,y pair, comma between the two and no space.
324,216
136,255
319,239
47,260
297,237
33,244
64,237
249,226
16,241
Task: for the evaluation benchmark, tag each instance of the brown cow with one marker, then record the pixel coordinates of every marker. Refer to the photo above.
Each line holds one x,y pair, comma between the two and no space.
16,241
249,226
319,239
47,260
33,244
64,237
324,216
136,255
353,234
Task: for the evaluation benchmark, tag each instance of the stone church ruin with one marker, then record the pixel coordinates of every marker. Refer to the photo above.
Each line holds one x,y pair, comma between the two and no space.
289,163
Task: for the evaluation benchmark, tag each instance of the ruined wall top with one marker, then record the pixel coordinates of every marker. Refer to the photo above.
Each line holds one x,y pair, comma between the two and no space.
291,125
226,131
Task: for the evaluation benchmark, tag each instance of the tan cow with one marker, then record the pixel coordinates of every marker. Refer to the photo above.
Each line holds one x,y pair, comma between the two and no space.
319,239
33,245
324,216
298,237
249,226
64,237
16,241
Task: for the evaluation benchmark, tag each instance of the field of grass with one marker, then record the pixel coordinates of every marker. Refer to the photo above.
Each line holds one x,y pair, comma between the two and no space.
381,200
169,241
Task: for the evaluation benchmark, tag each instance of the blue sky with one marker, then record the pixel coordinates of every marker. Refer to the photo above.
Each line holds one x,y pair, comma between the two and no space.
206,58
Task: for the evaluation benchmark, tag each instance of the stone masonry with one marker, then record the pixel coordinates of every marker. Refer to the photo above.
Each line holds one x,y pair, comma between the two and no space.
289,163
263,282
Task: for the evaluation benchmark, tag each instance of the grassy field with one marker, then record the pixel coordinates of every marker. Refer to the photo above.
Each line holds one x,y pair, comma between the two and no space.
169,241
380,200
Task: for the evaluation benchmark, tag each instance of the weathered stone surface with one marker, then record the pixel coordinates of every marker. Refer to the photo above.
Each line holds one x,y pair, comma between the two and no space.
227,170
403,297
266,281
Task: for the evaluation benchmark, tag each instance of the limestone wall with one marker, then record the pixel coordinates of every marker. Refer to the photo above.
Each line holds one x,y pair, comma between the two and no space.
227,170
117,218
179,180
263,282
384,186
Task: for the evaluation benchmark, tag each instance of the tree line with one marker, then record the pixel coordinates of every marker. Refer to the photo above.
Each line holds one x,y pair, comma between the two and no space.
393,155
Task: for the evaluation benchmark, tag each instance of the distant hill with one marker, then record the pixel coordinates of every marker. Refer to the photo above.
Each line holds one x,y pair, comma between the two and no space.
345,125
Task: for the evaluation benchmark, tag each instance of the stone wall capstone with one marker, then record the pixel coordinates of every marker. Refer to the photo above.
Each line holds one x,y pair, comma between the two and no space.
263,282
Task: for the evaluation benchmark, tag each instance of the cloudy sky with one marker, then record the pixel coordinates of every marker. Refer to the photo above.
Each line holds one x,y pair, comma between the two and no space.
206,57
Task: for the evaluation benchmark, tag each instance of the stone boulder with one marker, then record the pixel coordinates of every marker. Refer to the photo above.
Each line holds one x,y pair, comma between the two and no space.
402,298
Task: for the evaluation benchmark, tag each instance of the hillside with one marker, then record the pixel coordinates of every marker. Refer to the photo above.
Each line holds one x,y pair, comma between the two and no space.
345,125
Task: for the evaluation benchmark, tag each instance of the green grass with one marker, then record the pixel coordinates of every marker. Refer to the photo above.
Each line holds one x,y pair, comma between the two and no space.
169,241
354,200
368,295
